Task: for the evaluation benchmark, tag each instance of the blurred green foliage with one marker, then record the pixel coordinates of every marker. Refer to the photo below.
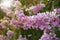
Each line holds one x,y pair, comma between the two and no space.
57,3
29,2
35,34
2,14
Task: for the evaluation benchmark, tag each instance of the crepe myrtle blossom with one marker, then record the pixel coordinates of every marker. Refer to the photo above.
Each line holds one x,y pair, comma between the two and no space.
45,37
55,21
26,23
41,20
44,21
25,20
35,9
14,23
17,4
48,35
19,12
58,9
9,13
3,37
10,33
3,24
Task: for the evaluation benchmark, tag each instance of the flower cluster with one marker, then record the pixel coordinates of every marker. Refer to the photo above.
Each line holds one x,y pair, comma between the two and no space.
49,34
39,21
35,9
48,37
10,33
45,21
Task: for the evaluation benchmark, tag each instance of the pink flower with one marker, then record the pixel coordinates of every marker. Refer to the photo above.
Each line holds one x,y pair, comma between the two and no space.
10,33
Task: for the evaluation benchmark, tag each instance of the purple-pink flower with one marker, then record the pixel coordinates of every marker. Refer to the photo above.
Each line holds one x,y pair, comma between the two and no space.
10,33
